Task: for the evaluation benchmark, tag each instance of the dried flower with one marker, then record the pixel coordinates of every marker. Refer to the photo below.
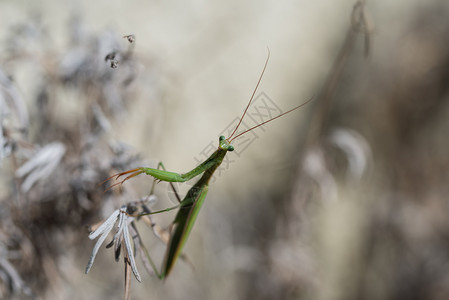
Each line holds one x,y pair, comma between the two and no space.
11,97
42,165
9,274
122,236
113,59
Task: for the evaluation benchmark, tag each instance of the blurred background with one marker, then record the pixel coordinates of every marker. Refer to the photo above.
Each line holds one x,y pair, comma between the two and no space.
346,198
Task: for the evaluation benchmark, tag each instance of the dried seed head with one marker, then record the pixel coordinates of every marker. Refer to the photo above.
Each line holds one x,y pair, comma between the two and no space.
114,64
130,37
110,56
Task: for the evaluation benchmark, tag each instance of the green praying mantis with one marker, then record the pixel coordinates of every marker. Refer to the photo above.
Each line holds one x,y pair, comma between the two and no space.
190,206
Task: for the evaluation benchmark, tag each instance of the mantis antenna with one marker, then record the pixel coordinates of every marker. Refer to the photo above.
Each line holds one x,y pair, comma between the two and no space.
231,138
252,96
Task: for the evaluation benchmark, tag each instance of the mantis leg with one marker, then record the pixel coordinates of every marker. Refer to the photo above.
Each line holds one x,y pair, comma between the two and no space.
161,165
147,211
158,231
161,175
161,233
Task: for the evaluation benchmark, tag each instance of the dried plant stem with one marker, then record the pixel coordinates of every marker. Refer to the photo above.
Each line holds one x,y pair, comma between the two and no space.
127,278
360,23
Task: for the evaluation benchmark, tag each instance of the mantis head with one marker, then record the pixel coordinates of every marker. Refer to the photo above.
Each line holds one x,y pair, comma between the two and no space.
225,144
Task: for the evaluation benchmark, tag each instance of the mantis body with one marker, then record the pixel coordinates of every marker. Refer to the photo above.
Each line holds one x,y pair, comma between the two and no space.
190,206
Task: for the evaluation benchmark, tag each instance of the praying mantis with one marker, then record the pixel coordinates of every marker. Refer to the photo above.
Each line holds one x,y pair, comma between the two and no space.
190,206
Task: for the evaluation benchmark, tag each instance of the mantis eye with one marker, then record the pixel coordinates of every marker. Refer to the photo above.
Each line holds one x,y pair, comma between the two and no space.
231,148
222,137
